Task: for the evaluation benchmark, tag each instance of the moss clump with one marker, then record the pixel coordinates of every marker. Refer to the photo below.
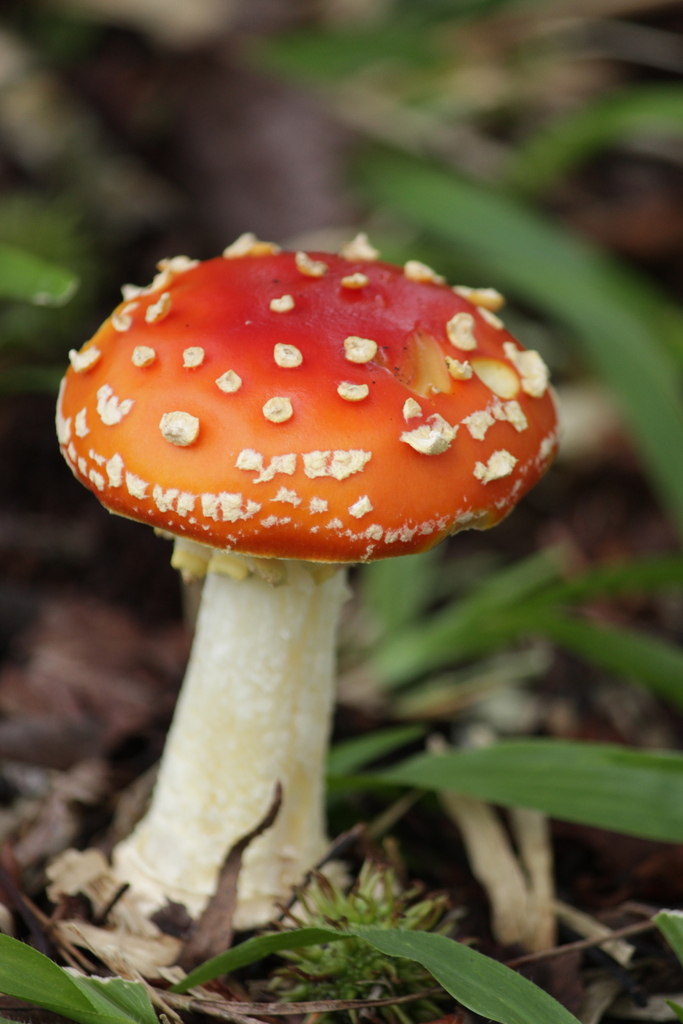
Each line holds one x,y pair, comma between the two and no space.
352,968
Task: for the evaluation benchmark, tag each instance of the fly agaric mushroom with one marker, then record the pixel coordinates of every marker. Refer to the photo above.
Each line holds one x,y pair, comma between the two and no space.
281,415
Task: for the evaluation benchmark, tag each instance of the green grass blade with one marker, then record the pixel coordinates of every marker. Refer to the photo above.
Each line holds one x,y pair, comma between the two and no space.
565,143
635,576
396,590
252,950
609,311
670,924
645,659
630,791
31,279
479,983
349,755
124,1000
27,974
464,627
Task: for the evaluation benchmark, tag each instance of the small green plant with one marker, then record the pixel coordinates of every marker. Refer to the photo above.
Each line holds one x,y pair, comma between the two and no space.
352,968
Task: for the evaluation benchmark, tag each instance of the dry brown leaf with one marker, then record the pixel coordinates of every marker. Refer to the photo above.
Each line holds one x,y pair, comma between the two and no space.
213,932
146,953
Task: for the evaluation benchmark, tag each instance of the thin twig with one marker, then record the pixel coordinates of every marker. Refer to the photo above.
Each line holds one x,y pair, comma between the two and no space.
245,1010
101,918
572,947
67,949
393,813
337,847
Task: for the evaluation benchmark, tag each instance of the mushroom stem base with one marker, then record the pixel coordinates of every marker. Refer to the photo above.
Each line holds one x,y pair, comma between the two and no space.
255,710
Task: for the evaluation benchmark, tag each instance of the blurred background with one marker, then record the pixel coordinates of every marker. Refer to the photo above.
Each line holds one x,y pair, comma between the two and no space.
536,147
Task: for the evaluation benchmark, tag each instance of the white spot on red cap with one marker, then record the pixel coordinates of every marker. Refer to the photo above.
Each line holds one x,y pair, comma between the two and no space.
411,409
361,507
229,382
290,497
121,320
136,486
84,361
499,465
359,248
547,445
114,469
143,355
158,310
282,305
308,267
530,367
278,409
81,423
359,350
97,479
317,505
460,331
185,503
458,371
432,438
193,357
416,271
489,298
179,428
355,281
287,356
177,264
62,424
513,413
339,464
111,409
164,499
491,318
249,245
478,423
228,507
252,461
353,392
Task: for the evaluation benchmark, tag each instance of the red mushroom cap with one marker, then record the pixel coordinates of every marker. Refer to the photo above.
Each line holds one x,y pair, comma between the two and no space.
306,406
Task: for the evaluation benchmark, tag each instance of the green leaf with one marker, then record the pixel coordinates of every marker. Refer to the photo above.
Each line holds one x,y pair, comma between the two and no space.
482,985
612,313
255,949
678,1010
27,974
634,576
566,142
124,1000
447,694
398,589
645,659
631,791
349,755
465,627
670,924
26,277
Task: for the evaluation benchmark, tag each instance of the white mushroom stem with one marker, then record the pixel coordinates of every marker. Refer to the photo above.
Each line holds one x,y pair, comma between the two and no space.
255,710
